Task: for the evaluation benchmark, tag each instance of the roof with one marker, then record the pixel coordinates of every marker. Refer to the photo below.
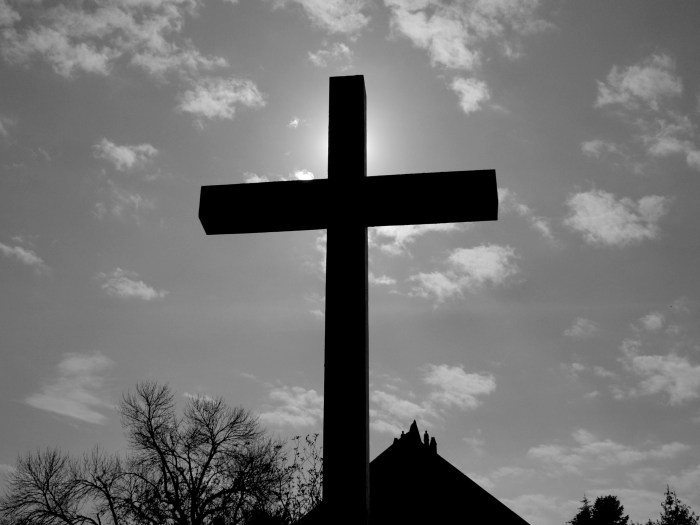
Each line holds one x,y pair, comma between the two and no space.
411,483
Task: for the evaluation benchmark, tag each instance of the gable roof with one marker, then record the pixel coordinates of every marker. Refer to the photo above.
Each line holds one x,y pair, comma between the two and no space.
411,483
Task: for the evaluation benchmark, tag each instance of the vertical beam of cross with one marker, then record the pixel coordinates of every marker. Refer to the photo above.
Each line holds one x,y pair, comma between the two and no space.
346,204
346,367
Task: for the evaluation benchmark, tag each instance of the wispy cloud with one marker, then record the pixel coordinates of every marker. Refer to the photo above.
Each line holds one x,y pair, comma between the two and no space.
392,407
468,269
24,256
294,406
76,389
582,328
5,124
604,220
452,386
646,96
218,98
294,123
646,84
124,157
92,38
122,204
508,202
395,240
336,54
454,34
590,452
125,285
334,16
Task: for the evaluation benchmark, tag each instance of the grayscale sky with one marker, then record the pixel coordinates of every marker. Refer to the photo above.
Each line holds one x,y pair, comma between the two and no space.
553,352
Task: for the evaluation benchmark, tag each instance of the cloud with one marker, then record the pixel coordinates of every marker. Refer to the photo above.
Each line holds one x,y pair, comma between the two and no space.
294,123
24,256
296,407
122,204
123,284
508,202
592,453
645,93
472,93
653,321
597,148
334,16
454,387
253,178
5,124
218,98
76,390
94,37
124,158
468,270
382,280
303,175
644,85
454,33
669,374
604,220
389,412
400,237
541,508
336,53
582,328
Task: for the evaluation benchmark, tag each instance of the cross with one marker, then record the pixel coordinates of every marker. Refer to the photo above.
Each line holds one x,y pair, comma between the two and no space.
346,203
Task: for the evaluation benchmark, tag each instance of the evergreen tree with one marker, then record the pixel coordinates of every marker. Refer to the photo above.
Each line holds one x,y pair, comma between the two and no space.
584,515
675,512
607,510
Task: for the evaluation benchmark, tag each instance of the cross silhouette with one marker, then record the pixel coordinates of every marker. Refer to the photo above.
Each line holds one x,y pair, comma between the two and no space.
346,203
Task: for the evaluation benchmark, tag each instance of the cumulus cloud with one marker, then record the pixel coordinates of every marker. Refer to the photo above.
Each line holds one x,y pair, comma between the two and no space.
455,387
125,285
303,175
124,157
93,37
294,406
334,16
395,240
645,94
508,202
604,220
590,452
468,269
218,98
670,374
337,54
472,93
581,328
294,123
76,389
646,84
25,256
653,321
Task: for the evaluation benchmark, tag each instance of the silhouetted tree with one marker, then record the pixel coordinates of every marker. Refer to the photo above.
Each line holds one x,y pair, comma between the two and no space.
584,515
607,510
675,512
211,466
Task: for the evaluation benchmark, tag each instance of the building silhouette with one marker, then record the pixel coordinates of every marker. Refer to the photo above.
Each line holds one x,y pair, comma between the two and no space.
411,483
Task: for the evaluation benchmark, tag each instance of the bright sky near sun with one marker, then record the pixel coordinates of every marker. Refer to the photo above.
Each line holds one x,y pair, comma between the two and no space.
551,353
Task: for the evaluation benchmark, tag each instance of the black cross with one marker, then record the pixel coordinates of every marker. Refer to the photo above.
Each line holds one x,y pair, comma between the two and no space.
346,204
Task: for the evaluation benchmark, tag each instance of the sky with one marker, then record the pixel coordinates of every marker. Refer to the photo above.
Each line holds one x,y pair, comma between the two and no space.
551,353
